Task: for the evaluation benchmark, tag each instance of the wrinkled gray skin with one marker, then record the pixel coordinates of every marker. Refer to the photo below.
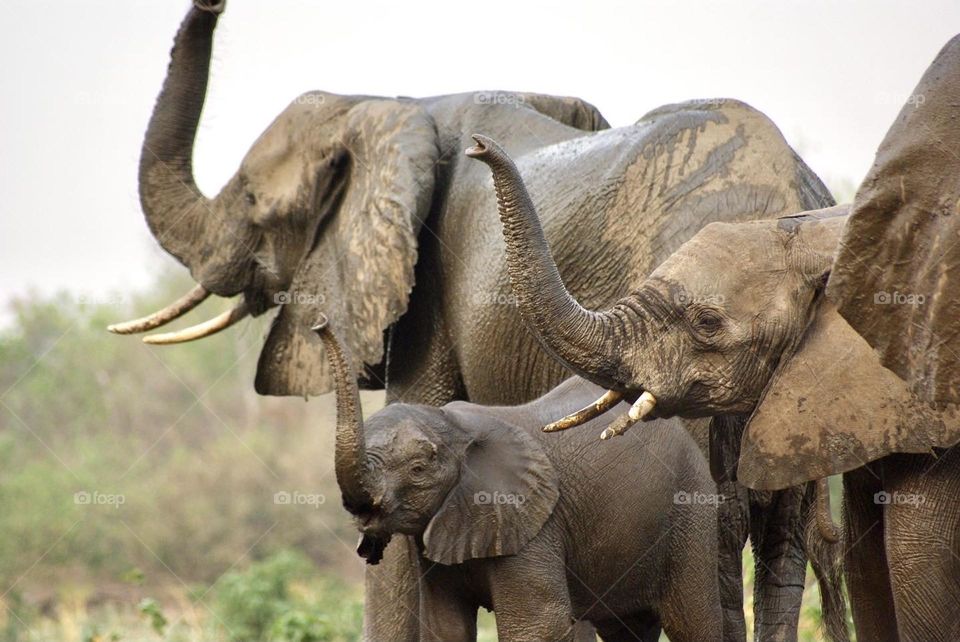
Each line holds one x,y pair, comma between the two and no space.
715,330
345,202
542,529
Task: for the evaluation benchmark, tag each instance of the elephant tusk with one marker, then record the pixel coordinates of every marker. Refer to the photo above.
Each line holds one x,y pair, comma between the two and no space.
642,406
640,409
609,399
175,310
205,329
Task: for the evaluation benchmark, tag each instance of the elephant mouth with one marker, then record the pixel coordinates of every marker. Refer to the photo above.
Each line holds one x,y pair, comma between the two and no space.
371,548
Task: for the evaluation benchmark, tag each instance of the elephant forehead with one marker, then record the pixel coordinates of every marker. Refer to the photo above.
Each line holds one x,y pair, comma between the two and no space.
396,434
305,122
727,256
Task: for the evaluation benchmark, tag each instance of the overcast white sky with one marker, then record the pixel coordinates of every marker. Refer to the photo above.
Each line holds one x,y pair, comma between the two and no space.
78,81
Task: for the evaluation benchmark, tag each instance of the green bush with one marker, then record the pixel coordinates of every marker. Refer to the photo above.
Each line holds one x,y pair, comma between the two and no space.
275,600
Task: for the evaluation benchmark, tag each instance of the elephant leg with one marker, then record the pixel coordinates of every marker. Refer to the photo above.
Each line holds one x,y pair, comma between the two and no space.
644,627
733,527
922,528
531,600
446,615
733,521
690,607
776,530
392,597
865,560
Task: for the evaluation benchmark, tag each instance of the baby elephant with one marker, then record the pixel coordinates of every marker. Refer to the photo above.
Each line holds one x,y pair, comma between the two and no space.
541,528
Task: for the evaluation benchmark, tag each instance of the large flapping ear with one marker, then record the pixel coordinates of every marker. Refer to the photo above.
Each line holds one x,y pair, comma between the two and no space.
831,407
360,269
507,490
897,275
568,110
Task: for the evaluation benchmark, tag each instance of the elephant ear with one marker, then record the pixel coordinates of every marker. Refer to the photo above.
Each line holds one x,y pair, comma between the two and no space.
897,275
831,406
568,110
507,490
360,269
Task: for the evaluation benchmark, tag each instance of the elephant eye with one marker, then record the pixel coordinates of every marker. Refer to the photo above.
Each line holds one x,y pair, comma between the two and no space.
708,322
417,469
251,198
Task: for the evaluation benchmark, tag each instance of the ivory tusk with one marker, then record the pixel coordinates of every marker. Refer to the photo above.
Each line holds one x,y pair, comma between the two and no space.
640,409
205,329
177,309
619,426
609,399
642,406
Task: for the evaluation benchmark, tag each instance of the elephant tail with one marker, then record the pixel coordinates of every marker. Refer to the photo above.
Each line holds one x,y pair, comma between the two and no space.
826,558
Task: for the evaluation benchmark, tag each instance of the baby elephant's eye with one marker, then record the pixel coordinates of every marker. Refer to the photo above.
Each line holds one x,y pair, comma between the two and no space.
251,198
417,469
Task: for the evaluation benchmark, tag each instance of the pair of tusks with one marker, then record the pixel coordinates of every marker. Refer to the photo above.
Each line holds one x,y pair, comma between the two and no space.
640,409
177,309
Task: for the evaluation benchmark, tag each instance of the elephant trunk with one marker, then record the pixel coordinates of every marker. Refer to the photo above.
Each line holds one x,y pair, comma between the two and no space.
351,463
176,211
583,340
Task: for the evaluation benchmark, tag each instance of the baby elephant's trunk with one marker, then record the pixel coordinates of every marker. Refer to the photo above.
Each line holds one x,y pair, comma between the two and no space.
353,473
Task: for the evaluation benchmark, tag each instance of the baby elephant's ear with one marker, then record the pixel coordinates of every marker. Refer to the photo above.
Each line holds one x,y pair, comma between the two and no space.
506,492
832,407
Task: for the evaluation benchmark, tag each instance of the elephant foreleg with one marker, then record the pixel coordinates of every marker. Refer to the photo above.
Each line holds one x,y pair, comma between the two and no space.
392,596
733,522
776,530
865,560
530,597
922,536
446,615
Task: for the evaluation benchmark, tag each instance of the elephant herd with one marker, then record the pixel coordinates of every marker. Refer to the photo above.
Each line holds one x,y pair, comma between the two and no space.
665,344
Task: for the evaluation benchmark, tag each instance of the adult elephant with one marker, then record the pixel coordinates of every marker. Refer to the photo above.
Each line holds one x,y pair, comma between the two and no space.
742,321
345,202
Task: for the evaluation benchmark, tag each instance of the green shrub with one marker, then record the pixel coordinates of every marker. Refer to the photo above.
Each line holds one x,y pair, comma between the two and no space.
280,599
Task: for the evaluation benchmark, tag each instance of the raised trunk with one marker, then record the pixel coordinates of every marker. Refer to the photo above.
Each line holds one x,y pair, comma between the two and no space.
176,210
584,340
351,454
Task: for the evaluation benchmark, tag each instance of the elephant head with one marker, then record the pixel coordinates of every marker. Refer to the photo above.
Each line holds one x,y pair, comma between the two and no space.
734,322
324,211
469,483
